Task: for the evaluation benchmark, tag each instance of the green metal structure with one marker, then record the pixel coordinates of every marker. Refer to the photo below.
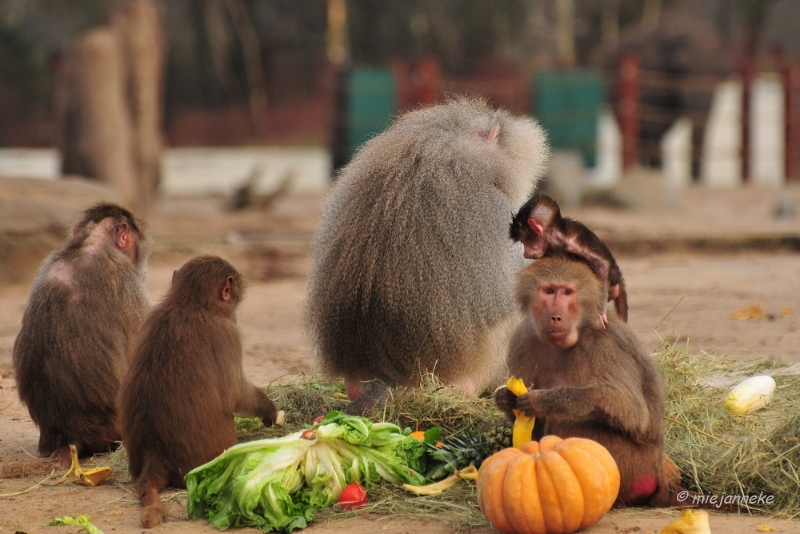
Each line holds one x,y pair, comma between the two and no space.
567,104
370,99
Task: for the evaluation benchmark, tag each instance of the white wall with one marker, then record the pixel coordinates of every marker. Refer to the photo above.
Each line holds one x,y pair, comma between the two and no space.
205,171
30,163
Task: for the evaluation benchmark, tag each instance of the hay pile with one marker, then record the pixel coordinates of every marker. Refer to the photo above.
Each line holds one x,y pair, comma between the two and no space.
717,453
721,454
432,405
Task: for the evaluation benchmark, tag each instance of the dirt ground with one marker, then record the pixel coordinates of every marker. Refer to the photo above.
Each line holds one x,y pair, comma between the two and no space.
690,264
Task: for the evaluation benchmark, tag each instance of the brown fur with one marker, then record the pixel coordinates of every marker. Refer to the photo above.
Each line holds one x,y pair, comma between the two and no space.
562,235
84,310
186,381
605,387
411,270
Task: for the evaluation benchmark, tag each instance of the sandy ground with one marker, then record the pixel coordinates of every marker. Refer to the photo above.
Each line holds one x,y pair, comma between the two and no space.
688,289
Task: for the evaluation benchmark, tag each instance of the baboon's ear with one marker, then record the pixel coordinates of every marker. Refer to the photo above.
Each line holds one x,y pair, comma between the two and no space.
227,289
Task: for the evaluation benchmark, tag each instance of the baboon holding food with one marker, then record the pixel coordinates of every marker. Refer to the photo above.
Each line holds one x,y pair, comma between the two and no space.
412,268
588,379
83,312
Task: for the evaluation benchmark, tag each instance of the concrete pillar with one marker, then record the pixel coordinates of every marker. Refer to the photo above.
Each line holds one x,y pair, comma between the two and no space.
721,165
767,126
676,154
608,169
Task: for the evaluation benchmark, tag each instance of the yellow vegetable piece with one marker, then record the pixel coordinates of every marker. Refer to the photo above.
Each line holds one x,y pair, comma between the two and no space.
691,522
468,473
523,425
85,477
750,395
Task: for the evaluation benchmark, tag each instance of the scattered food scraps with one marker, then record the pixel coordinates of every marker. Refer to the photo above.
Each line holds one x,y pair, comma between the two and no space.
85,477
756,312
468,473
691,522
353,496
84,522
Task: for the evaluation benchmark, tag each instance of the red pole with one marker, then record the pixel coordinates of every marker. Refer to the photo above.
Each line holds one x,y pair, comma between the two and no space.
747,73
629,81
427,81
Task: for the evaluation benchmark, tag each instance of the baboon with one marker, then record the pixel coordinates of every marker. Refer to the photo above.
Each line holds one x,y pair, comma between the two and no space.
186,381
412,272
588,379
539,226
83,312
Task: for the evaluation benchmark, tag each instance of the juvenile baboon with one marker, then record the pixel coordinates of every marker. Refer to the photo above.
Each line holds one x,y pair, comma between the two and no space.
83,312
588,379
186,381
539,226
412,270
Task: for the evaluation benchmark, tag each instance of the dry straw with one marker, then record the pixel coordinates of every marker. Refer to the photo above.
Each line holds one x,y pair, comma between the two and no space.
725,455
718,453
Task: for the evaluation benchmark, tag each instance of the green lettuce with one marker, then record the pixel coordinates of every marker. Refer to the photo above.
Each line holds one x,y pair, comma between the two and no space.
83,522
279,483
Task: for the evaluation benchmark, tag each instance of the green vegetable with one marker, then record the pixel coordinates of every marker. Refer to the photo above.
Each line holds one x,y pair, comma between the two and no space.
278,484
84,522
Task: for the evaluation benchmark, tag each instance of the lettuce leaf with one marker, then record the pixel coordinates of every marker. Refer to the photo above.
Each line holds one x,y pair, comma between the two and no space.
279,483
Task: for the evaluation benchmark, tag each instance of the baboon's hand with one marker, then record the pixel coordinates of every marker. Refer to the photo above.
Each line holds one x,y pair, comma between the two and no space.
506,401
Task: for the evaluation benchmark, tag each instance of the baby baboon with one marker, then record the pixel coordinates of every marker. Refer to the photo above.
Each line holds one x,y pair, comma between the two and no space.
84,309
412,270
539,226
588,379
186,381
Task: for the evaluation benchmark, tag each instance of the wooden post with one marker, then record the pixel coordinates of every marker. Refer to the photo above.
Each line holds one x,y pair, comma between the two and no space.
629,79
103,128
139,27
108,103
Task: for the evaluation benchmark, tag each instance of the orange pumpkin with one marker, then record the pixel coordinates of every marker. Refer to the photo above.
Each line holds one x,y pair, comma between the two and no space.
553,486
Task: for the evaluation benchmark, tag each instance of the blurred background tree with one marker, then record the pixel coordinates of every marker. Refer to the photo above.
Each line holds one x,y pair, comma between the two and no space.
265,55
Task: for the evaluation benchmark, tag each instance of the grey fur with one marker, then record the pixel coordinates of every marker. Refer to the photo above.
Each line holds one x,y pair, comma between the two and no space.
412,266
